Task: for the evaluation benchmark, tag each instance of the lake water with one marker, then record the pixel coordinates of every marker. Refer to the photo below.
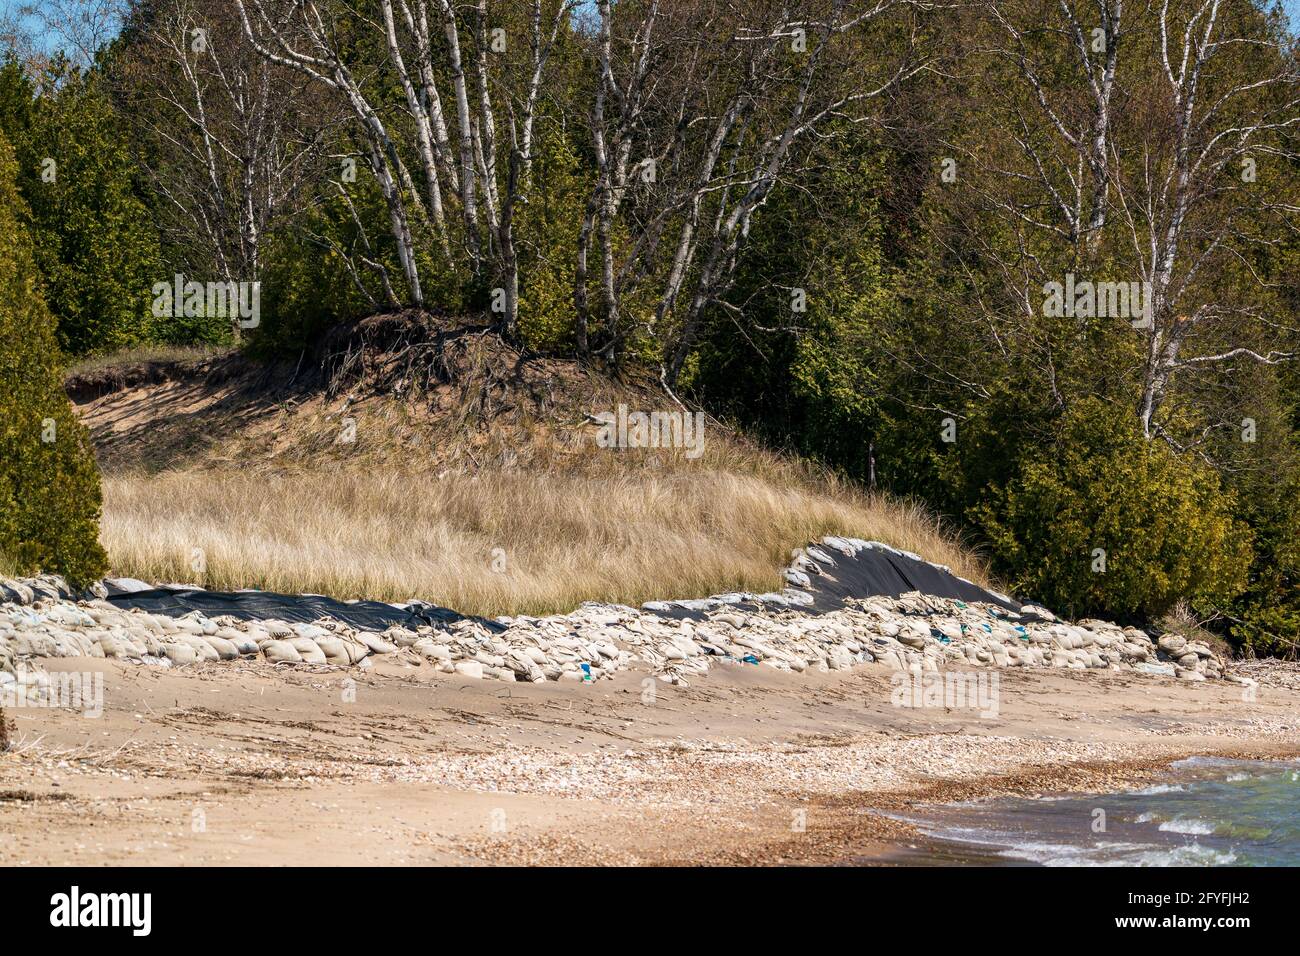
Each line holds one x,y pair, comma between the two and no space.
1208,812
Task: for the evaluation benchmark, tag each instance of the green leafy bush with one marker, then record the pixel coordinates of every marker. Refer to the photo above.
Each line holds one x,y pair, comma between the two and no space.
1266,617
49,487
550,219
1103,521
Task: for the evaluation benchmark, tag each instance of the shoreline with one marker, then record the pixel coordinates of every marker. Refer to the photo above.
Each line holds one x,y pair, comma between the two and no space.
868,819
748,766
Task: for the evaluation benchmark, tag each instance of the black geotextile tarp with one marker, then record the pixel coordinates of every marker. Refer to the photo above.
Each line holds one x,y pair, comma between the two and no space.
305,608
868,572
874,571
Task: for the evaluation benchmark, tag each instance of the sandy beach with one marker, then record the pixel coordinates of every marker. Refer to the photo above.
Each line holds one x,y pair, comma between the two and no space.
249,763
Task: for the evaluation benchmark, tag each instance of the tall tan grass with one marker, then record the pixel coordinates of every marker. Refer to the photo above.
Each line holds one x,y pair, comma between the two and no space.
628,536
431,492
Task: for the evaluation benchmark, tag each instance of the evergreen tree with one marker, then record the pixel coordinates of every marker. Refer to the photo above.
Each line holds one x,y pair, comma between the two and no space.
94,241
49,486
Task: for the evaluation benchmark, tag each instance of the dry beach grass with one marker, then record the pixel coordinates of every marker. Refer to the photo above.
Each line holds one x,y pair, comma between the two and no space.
493,507
499,541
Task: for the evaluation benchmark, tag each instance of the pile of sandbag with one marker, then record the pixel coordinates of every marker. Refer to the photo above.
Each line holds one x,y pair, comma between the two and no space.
39,617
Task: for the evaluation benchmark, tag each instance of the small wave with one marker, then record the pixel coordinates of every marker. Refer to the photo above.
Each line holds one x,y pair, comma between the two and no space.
1160,788
1048,854
1196,827
1123,854
1063,854
1226,813
1193,854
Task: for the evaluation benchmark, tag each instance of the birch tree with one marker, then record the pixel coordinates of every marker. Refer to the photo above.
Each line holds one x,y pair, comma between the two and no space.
1199,205
697,116
78,29
1150,145
475,155
227,142
1072,107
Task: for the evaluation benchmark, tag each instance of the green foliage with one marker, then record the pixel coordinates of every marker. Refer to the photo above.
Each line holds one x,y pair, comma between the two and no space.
550,221
1265,476
93,237
17,98
815,288
1164,524
308,287
1267,618
305,290
49,487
